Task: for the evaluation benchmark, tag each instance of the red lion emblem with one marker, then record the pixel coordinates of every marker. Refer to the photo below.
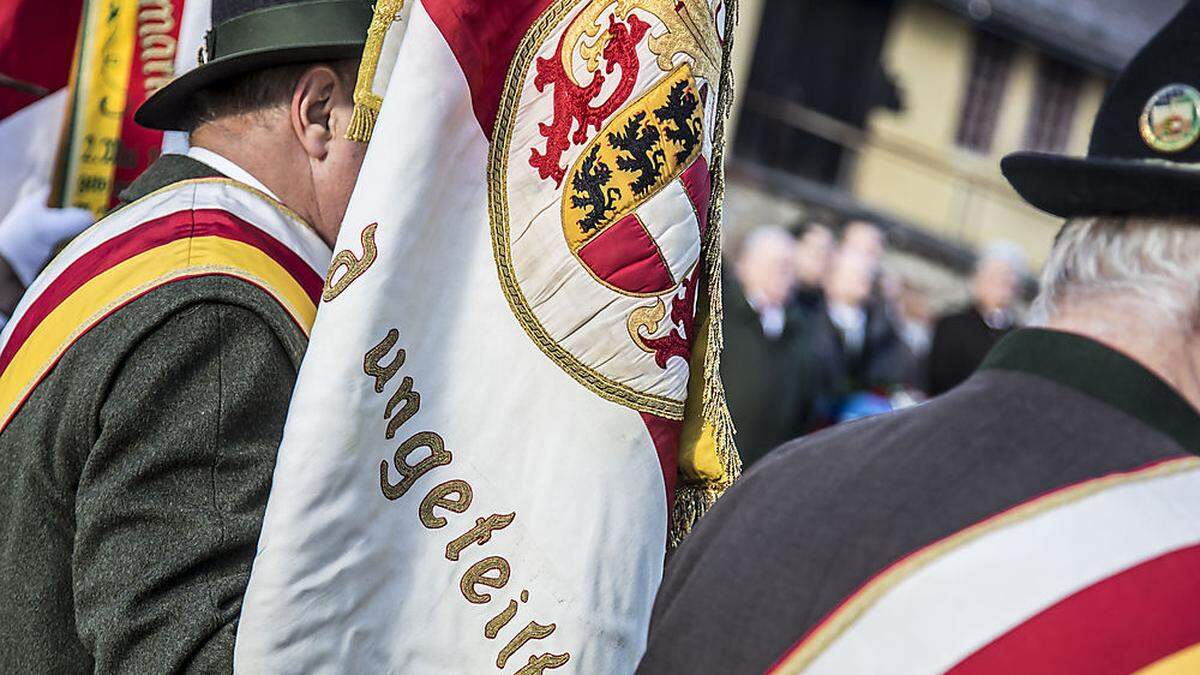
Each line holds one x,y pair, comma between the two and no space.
678,342
573,103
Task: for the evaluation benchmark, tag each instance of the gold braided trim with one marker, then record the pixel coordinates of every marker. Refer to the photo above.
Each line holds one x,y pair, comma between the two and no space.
828,631
366,102
695,494
691,502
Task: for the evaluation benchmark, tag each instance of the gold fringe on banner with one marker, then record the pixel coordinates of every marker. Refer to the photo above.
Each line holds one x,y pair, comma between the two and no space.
362,122
366,102
708,458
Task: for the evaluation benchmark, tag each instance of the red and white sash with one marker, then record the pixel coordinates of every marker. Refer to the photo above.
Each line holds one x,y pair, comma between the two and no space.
1097,577
203,227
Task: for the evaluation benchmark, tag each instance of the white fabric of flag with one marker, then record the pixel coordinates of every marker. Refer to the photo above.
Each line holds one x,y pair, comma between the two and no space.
28,146
196,21
479,462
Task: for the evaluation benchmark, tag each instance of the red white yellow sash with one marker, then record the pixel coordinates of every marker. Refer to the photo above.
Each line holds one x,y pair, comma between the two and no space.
190,229
1097,577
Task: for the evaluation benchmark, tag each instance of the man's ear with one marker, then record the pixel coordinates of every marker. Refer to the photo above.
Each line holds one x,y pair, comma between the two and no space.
313,102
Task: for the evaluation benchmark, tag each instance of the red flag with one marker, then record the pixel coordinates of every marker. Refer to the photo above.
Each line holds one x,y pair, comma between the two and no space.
37,41
153,66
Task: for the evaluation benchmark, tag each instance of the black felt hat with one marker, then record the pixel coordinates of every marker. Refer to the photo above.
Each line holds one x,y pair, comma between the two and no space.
1144,155
249,35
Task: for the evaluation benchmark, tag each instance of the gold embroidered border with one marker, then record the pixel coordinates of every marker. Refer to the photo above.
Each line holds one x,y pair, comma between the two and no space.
711,425
498,212
833,627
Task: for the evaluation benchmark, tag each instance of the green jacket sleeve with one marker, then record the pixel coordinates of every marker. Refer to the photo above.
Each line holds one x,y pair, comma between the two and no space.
171,496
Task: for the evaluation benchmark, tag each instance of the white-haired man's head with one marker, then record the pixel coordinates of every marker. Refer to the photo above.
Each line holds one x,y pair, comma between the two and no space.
1141,272
764,265
996,282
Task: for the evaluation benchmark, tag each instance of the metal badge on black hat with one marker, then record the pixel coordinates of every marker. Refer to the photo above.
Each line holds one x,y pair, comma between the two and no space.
1170,122
1143,158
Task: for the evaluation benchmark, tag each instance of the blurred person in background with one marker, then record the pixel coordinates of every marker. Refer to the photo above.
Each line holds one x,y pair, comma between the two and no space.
815,245
851,340
866,239
912,318
763,364
37,41
1044,516
962,339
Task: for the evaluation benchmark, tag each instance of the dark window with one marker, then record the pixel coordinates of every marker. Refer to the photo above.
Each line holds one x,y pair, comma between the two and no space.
814,79
1054,99
990,66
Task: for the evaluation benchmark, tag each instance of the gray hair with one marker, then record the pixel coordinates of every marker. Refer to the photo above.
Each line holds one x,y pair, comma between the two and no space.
1004,251
1156,260
764,235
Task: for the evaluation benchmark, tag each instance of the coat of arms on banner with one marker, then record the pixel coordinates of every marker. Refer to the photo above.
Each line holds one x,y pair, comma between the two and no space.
600,190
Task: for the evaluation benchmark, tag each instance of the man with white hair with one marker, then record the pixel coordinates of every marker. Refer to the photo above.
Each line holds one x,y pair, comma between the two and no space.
763,362
962,339
1044,516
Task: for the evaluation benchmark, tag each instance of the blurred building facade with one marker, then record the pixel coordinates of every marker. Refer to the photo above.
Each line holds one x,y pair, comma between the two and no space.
899,110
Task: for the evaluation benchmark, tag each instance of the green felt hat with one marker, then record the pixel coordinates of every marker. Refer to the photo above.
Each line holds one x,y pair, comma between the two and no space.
249,35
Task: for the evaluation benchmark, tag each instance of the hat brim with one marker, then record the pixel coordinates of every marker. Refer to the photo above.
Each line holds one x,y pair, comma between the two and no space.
1072,187
172,109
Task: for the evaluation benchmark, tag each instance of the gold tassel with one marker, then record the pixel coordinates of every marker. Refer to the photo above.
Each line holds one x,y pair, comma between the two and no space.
695,496
691,502
366,102
362,123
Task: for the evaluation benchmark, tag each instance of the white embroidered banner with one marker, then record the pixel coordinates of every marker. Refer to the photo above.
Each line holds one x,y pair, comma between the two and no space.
478,465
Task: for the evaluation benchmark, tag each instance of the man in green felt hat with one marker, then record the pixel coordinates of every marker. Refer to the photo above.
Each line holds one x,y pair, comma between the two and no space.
146,374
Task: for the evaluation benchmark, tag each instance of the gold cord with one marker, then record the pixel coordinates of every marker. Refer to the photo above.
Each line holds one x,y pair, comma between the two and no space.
695,495
366,102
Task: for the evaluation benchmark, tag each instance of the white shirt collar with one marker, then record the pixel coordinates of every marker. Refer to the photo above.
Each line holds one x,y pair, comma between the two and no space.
229,168
851,321
771,317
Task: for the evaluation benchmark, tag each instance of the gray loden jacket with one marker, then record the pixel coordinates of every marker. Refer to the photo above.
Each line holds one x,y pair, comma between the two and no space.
136,476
